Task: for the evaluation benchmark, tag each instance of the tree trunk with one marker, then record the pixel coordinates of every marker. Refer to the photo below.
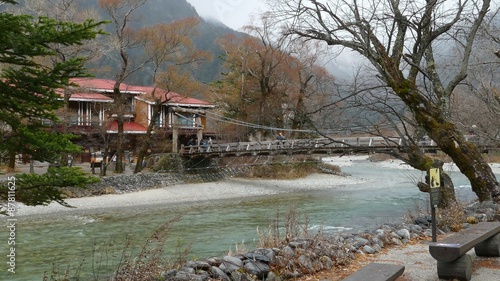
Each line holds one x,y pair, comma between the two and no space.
11,164
120,146
468,159
144,148
142,154
447,189
65,123
119,106
452,142
147,141
423,162
104,164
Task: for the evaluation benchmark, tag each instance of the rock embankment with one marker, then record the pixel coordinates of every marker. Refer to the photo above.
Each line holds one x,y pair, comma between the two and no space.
300,257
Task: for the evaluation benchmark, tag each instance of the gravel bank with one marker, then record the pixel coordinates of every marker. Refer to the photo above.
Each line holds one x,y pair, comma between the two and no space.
233,188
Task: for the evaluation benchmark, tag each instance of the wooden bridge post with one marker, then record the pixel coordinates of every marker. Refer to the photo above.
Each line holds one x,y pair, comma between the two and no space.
199,130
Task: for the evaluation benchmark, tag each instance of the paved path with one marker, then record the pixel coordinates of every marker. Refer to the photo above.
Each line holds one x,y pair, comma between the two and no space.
420,266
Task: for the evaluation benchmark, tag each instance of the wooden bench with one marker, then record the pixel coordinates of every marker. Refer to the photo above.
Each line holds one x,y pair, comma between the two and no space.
451,253
377,272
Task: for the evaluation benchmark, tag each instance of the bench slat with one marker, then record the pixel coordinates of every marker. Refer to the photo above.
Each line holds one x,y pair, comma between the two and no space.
377,272
457,245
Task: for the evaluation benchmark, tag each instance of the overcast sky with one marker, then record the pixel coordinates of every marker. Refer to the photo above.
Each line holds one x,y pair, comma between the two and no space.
237,13
233,13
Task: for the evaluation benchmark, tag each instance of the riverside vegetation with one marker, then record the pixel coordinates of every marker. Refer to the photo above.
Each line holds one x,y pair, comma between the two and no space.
286,250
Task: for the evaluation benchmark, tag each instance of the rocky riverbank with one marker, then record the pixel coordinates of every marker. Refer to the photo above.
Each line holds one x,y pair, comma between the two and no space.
307,256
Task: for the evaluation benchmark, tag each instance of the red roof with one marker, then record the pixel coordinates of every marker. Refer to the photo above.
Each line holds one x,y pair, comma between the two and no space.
90,97
171,97
128,127
95,97
101,84
143,92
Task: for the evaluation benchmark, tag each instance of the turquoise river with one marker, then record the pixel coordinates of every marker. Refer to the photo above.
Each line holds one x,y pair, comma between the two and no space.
93,242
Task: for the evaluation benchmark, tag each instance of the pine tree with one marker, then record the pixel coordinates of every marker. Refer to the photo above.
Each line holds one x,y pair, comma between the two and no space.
29,85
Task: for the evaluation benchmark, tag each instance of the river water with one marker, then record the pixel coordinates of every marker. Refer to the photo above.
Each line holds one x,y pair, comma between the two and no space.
68,240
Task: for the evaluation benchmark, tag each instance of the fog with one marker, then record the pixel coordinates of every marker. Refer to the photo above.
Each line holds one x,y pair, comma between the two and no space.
233,13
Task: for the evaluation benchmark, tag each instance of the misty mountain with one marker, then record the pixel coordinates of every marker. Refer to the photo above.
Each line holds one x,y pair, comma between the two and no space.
151,13
165,11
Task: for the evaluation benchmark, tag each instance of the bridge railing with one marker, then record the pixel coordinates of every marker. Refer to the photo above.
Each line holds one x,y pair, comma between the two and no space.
310,145
294,144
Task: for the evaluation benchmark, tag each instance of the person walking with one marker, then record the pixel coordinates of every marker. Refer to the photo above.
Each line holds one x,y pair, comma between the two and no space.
280,139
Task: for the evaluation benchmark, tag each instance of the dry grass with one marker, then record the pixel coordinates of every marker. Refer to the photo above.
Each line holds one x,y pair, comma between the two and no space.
127,264
377,157
492,157
284,229
239,248
8,170
283,171
274,167
452,216
332,167
149,264
418,211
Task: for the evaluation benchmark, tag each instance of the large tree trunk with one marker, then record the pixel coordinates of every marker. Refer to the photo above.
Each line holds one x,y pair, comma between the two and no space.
452,142
423,162
447,190
468,159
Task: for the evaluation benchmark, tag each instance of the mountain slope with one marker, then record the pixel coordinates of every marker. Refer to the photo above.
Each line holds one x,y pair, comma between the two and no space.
165,11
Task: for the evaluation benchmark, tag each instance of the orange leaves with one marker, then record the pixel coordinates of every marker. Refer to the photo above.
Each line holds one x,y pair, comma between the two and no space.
117,4
172,43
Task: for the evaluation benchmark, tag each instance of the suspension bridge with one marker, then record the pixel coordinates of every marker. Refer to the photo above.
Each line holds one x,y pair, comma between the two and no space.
309,146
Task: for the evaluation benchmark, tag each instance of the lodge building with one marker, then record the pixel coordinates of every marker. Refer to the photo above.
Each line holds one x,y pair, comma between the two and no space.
92,109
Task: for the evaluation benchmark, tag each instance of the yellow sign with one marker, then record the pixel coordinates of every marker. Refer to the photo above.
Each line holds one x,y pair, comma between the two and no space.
435,180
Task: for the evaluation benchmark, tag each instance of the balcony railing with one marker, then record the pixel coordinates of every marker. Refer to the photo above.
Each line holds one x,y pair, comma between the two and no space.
127,111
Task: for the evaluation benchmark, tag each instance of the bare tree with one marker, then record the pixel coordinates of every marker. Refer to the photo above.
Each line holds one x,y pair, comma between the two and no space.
311,86
168,47
378,112
272,81
399,39
124,39
476,103
254,88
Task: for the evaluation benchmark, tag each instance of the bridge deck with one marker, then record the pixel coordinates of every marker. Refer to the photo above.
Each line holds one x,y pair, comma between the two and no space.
305,146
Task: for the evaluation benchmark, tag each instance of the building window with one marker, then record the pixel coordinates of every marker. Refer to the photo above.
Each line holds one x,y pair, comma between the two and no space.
184,120
160,118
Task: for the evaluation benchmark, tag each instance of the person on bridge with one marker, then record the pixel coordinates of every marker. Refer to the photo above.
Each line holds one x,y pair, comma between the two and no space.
280,139
204,145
